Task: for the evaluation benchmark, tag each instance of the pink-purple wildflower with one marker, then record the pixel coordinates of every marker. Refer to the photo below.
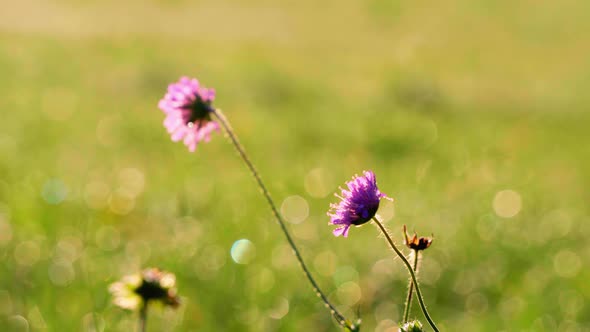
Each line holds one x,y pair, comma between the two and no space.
358,203
187,106
152,284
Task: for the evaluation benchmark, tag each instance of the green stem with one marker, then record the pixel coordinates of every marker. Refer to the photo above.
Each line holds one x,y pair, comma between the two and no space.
409,267
242,152
411,288
143,317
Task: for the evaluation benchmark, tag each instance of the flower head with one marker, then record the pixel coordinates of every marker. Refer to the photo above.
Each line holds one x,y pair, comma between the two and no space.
187,106
415,242
152,284
358,203
413,326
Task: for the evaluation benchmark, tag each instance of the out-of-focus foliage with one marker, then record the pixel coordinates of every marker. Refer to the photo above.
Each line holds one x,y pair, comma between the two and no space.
473,115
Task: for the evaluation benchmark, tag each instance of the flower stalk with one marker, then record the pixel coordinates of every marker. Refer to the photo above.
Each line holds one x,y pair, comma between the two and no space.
408,306
416,244
242,152
411,271
141,327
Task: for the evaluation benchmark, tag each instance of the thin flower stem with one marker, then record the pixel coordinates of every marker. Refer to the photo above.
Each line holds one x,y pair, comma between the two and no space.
412,274
143,317
411,288
242,152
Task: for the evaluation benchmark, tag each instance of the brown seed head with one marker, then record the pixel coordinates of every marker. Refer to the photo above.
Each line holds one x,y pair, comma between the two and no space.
415,242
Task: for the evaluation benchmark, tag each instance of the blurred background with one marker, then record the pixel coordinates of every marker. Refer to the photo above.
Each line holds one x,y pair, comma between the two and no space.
473,114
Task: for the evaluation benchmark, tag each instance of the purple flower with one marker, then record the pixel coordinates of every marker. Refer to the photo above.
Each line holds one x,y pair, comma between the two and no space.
187,106
358,204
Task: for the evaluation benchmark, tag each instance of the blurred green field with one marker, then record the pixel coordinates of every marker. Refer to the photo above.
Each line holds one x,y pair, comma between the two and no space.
473,114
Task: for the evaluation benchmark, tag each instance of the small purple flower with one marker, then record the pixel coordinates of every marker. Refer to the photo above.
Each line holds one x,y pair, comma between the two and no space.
358,204
187,106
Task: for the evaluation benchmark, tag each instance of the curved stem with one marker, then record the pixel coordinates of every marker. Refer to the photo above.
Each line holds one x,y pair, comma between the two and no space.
143,317
412,274
242,152
411,288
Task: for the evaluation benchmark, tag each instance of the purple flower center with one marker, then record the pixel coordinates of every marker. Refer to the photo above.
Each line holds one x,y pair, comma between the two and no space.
365,213
199,111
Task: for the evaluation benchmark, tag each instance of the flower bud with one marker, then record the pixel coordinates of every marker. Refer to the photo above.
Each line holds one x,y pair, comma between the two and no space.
413,326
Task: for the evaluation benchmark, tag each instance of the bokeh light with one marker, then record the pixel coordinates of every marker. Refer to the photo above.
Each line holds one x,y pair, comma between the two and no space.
476,304
243,251
387,325
18,323
386,311
567,263
295,209
121,202
349,293
54,191
27,253
280,309
507,203
319,183
132,181
345,274
61,273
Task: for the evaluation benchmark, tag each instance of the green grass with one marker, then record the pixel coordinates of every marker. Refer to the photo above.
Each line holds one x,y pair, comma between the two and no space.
448,103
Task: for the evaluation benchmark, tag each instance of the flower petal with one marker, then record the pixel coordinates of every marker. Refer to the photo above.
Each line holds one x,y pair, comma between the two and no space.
341,231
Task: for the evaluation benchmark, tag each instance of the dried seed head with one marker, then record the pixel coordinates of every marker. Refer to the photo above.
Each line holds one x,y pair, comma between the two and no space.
415,242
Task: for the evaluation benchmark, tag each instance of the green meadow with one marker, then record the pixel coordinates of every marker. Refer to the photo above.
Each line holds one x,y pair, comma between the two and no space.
474,115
